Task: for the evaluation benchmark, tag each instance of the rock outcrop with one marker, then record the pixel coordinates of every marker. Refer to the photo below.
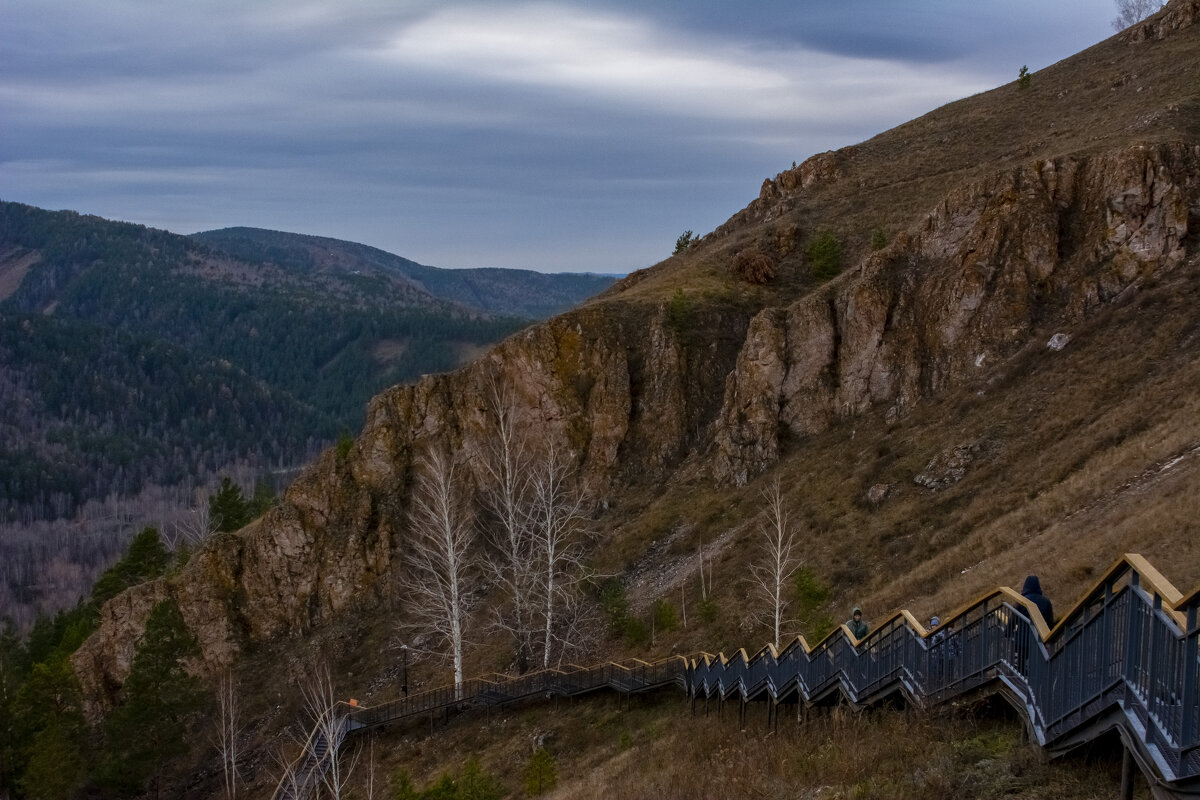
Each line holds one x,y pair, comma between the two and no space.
1053,240
1175,16
627,391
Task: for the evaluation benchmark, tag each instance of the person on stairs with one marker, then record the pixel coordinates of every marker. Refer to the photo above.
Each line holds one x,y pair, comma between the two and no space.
857,624
1032,591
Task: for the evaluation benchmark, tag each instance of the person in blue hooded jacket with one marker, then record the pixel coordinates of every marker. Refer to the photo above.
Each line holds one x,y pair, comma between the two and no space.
1032,591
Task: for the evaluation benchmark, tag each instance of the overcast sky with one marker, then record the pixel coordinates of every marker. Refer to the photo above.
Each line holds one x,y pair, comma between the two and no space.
553,136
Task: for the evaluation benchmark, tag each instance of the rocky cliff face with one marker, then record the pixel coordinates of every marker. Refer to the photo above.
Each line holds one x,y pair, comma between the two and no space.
1051,241
627,390
1176,16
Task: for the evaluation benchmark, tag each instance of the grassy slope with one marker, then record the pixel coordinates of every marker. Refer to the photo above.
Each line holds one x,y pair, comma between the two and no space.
1073,447
1078,456
1113,94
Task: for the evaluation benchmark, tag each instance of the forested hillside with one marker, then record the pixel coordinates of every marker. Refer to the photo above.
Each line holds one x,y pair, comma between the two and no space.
91,411
132,360
518,292
134,356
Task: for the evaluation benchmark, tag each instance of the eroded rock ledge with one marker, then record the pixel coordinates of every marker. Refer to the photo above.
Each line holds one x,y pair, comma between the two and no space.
1049,240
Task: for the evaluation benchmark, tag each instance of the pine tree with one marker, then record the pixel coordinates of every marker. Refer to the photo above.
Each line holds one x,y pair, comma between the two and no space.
14,667
540,774
146,558
228,508
150,728
56,766
475,784
262,499
49,718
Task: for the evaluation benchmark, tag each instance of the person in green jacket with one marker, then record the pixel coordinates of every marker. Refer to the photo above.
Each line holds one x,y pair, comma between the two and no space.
857,624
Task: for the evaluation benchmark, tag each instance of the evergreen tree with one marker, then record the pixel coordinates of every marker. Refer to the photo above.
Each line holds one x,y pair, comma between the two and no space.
824,254
228,508
14,667
475,784
540,774
262,500
147,558
49,721
56,768
150,728
685,240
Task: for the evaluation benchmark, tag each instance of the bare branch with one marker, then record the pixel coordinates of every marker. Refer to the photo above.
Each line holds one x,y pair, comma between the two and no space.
329,731
290,784
1130,12
194,529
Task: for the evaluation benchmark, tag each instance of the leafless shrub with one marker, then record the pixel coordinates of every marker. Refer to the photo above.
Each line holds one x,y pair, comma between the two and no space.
1130,12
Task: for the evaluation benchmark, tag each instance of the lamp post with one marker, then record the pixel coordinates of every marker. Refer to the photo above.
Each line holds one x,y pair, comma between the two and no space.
404,686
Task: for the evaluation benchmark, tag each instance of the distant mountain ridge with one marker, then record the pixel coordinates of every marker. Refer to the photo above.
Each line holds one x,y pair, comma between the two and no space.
512,292
134,361
312,327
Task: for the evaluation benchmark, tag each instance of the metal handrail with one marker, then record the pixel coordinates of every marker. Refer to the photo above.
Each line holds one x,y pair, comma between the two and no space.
1126,655
632,675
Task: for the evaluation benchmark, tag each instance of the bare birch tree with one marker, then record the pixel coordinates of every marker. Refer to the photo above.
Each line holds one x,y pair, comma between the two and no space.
440,559
229,728
506,496
291,785
192,530
329,729
778,558
705,586
556,520
1130,12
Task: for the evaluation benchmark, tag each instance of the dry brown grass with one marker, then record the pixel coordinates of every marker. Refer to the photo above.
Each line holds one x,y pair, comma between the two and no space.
655,748
1113,94
1084,455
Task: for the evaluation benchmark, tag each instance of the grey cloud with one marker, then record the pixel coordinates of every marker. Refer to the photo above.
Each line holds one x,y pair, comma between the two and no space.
297,116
